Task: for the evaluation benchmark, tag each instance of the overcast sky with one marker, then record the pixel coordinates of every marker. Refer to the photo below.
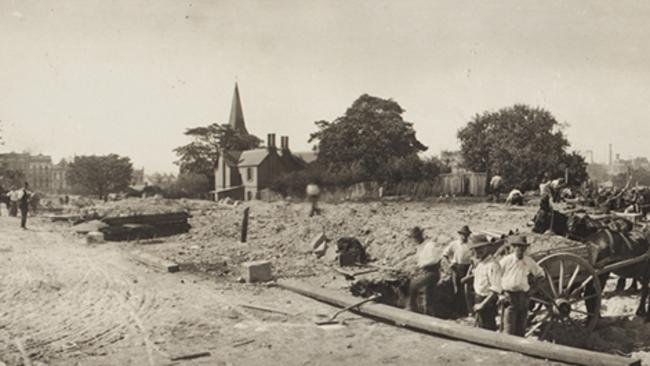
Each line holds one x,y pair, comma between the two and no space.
129,76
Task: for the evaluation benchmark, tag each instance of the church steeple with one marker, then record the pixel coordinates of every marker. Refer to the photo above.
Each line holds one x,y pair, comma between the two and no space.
236,120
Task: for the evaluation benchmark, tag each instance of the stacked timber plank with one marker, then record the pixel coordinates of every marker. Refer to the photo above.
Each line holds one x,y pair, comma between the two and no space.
145,226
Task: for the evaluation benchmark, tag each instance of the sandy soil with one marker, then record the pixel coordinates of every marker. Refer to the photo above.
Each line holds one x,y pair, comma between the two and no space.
64,302
282,231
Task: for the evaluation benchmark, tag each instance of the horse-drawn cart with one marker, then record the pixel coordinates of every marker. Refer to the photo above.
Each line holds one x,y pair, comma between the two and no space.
567,302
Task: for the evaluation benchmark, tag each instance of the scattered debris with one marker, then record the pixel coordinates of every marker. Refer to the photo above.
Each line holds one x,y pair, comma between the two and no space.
243,343
347,308
158,263
268,310
191,356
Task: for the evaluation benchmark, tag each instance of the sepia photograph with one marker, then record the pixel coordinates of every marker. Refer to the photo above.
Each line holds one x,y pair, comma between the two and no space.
324,182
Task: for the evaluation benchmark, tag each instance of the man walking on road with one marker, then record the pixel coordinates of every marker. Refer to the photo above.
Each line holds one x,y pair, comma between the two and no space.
24,206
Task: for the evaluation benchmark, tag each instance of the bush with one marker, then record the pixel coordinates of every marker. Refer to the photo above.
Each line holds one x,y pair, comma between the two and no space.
187,185
396,170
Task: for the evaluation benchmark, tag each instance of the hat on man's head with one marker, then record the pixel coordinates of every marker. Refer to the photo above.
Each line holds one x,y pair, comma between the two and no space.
519,240
465,230
478,241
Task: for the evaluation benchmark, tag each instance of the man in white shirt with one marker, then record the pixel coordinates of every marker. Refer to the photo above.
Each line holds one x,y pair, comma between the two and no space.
487,283
459,257
313,193
426,276
495,187
518,271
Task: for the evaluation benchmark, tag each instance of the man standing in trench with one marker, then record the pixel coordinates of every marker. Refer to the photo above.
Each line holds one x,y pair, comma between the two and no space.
487,283
459,257
426,276
519,271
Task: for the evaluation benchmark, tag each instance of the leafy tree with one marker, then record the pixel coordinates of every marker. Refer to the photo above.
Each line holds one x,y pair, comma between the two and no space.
187,185
201,155
371,132
577,167
639,175
100,175
597,172
521,144
10,179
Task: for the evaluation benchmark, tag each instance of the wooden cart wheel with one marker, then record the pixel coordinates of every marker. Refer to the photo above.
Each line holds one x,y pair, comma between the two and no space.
566,304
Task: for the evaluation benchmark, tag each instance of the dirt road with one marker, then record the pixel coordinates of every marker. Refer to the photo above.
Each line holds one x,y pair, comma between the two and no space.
63,302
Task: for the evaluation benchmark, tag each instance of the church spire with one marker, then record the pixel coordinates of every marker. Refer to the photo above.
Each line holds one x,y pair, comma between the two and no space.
236,120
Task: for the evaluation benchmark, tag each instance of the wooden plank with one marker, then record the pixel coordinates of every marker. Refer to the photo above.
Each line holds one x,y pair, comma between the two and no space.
450,329
156,262
627,215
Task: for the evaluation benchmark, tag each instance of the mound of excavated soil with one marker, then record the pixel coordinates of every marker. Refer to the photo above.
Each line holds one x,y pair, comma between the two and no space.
281,232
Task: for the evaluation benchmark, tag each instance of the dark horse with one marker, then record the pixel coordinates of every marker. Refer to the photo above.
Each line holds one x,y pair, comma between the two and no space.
615,246
615,241
548,219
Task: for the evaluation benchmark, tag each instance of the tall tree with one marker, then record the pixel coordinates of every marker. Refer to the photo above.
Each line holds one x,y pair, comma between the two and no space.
371,132
100,175
521,144
200,156
10,179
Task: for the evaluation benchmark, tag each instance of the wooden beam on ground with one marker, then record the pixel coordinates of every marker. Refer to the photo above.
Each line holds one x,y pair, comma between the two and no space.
450,329
156,262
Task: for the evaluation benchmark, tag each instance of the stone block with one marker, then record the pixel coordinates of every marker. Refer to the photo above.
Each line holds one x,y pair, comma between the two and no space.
257,271
94,237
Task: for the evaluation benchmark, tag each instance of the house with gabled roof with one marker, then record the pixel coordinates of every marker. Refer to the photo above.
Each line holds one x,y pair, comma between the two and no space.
242,175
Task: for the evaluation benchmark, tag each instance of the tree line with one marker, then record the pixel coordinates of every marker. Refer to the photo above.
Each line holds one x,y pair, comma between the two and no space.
371,141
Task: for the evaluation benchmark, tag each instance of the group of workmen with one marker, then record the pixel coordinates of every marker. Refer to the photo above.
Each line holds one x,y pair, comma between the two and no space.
499,284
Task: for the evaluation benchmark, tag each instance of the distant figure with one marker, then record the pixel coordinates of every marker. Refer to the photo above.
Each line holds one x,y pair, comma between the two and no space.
495,187
515,197
24,205
313,193
66,199
556,188
14,197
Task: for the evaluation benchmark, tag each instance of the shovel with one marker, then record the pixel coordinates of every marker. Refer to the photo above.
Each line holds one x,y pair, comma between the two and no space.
347,308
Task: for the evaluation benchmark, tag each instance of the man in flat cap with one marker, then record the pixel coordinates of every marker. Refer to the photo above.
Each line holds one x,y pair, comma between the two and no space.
487,283
459,257
519,271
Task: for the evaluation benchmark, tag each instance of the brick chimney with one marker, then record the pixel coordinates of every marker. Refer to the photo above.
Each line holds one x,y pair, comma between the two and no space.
270,141
284,142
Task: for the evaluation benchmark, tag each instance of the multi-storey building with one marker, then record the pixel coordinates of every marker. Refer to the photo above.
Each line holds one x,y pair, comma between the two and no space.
39,171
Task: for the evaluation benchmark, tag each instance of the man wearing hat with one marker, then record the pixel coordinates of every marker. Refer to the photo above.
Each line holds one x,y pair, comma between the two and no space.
487,282
426,276
459,257
519,270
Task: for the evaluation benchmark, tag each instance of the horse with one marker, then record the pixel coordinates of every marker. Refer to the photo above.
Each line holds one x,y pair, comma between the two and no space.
547,218
612,246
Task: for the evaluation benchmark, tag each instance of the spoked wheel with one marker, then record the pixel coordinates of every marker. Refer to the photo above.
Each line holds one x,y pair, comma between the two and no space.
566,304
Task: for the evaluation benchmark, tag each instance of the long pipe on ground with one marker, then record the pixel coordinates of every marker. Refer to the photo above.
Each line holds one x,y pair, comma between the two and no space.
450,329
